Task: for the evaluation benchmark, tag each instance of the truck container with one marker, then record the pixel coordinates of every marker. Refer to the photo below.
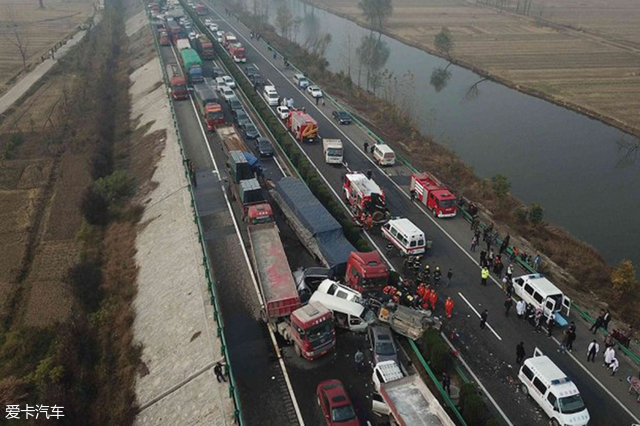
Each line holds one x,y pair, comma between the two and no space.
333,151
173,29
177,83
183,43
203,46
192,65
313,224
231,140
238,166
309,328
365,198
163,38
209,105
303,127
433,194
407,400
237,52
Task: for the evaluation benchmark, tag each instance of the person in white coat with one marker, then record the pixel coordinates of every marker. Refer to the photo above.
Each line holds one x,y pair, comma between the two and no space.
521,308
614,365
609,355
592,351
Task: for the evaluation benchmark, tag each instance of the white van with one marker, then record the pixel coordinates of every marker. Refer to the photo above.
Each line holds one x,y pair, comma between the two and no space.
404,235
333,151
336,289
301,81
271,95
384,155
350,315
553,391
539,292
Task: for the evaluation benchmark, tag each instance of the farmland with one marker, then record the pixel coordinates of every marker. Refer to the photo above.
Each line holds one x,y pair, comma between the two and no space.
581,54
40,30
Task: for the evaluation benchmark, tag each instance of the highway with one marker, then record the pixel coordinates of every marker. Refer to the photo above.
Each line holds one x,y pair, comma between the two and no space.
490,353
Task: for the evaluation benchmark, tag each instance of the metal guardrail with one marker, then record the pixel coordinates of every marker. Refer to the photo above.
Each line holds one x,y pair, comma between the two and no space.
233,393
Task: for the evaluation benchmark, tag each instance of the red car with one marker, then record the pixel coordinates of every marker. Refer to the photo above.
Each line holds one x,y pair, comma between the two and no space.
336,405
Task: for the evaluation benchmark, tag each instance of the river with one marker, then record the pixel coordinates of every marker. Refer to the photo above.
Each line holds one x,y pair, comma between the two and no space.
572,165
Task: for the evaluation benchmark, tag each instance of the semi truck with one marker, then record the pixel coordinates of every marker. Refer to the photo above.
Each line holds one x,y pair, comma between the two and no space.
192,65
203,46
310,327
333,151
237,52
183,43
434,195
174,30
177,83
406,399
303,127
320,233
365,197
209,106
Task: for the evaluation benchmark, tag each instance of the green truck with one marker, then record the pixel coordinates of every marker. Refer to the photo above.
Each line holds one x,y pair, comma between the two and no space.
192,65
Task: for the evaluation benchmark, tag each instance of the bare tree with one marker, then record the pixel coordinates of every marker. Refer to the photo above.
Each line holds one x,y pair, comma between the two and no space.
284,21
376,12
444,41
17,32
473,92
372,54
440,77
629,150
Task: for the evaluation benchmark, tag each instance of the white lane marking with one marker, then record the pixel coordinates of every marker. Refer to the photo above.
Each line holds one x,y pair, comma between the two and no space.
477,380
407,196
478,314
255,284
366,234
275,159
600,384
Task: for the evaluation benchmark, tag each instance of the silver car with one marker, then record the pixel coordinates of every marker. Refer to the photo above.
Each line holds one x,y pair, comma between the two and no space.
383,345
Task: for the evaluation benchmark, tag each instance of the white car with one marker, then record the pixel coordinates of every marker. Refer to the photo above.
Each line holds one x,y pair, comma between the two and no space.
208,22
213,27
219,36
228,94
314,91
283,112
229,81
220,84
192,35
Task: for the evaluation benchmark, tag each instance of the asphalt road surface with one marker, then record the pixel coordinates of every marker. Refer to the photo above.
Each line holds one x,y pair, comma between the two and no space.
491,352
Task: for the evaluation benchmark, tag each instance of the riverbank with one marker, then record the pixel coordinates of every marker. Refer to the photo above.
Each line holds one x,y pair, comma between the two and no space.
572,264
565,67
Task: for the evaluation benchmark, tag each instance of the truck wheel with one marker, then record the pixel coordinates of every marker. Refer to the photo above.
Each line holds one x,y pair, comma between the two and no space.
524,389
297,349
435,214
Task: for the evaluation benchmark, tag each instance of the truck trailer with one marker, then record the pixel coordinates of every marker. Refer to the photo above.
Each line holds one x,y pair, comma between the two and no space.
177,83
407,400
209,105
310,327
203,45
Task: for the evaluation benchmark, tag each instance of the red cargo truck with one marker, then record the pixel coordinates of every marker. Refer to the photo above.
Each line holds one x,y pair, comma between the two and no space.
177,83
433,194
310,327
203,46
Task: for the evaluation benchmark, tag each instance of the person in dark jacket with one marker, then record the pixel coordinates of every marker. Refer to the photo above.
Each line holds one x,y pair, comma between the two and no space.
520,353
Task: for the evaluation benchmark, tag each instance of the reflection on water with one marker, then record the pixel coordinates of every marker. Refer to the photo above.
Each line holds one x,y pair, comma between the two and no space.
574,166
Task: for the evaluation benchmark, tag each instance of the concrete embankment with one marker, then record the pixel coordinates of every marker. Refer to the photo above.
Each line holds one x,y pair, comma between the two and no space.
174,322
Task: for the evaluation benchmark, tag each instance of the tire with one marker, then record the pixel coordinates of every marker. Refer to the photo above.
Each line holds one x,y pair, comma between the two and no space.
435,214
554,422
524,389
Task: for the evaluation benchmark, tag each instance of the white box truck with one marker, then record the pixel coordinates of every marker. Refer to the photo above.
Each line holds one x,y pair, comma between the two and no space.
333,151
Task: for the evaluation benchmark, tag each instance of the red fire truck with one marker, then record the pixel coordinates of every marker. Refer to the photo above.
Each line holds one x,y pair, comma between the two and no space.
365,197
303,127
433,194
237,52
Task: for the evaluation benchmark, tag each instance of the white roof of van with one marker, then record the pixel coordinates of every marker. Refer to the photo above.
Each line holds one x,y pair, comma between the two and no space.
406,226
384,147
334,303
269,88
543,285
552,375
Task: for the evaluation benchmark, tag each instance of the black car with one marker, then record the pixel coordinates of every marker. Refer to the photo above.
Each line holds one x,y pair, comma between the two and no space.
342,117
236,106
264,147
256,79
241,117
250,130
251,70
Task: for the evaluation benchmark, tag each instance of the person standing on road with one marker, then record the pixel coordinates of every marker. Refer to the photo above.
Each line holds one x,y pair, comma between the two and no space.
483,258
550,323
369,174
366,147
510,271
572,338
448,306
504,245
614,366
563,342
521,308
508,303
605,320
433,299
609,355
474,243
217,369
592,351
449,276
446,382
359,360
483,318
484,274
317,100
520,353
537,321
598,323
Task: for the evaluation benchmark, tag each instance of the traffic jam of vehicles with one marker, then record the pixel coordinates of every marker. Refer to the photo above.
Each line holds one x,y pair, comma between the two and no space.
349,290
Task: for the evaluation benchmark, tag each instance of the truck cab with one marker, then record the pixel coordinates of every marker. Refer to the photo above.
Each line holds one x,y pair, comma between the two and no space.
434,195
237,52
213,115
366,272
333,151
259,213
313,330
